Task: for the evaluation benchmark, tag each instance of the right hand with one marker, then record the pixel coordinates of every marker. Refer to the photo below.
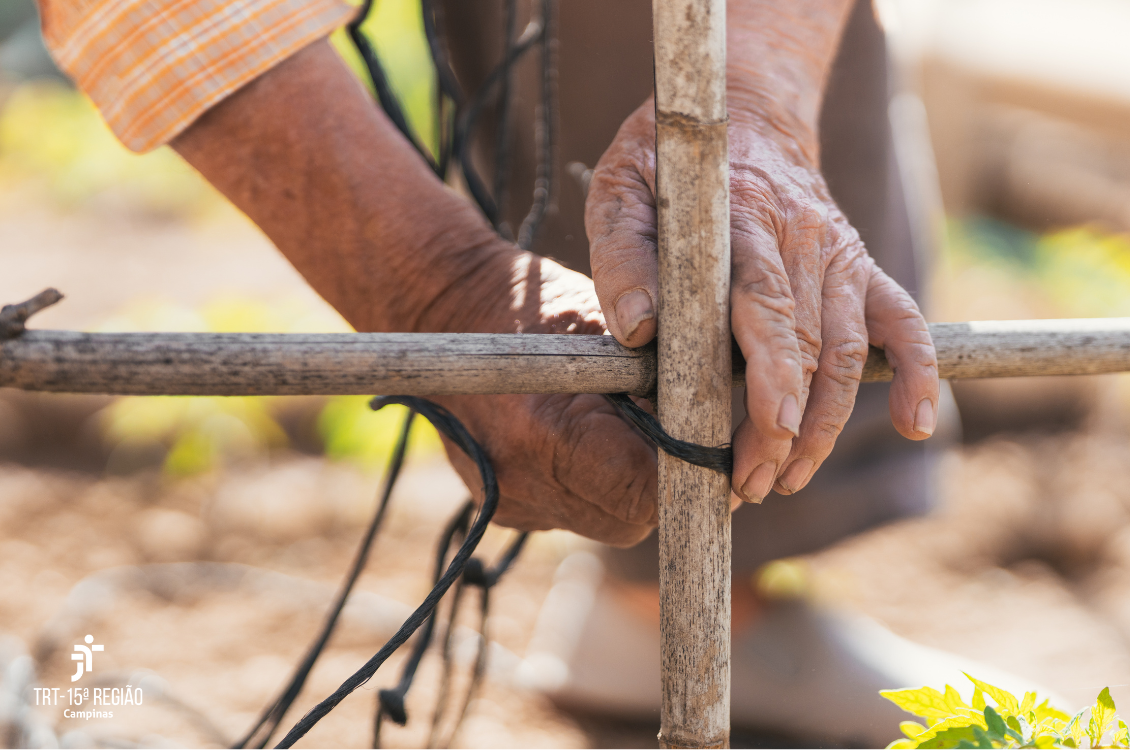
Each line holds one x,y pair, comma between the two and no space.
563,461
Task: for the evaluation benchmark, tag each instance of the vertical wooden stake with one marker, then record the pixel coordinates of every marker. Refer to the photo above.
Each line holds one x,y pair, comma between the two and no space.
692,164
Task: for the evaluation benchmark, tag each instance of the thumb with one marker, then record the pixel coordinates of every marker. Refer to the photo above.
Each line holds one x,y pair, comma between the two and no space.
620,221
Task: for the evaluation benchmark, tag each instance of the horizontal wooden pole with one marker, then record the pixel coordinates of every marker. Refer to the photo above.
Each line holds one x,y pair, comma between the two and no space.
260,364
230,364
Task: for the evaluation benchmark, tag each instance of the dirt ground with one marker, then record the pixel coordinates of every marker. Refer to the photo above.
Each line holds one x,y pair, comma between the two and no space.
1025,566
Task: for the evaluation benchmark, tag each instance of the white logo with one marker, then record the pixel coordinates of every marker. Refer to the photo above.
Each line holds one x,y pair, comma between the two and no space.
85,657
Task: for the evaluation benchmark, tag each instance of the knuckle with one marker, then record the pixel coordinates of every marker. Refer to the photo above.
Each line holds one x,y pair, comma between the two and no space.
754,280
824,435
770,304
842,361
809,356
625,253
810,216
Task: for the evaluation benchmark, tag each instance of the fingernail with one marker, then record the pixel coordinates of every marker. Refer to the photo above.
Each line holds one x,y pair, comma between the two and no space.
759,483
796,476
924,418
633,308
788,416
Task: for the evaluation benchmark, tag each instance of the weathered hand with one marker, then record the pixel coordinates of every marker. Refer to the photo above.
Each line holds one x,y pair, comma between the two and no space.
806,298
564,461
305,154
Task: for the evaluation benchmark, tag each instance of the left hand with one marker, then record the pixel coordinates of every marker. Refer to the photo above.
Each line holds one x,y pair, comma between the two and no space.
806,298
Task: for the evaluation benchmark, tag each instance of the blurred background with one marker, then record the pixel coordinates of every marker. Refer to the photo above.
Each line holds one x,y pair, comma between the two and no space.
1013,124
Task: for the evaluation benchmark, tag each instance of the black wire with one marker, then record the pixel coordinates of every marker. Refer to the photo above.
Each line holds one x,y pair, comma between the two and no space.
546,127
454,430
719,459
456,139
390,701
274,713
531,36
485,579
502,136
448,661
385,95
447,85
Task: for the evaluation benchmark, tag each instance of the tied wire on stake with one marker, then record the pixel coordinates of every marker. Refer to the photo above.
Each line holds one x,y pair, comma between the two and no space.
456,120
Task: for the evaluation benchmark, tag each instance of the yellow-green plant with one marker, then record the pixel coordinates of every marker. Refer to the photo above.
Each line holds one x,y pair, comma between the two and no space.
951,722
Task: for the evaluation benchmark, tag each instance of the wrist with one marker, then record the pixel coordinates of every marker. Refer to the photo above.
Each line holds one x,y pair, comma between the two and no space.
475,282
518,292
754,106
778,59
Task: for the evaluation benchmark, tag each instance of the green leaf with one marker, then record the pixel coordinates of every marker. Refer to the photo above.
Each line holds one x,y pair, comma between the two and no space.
995,724
1046,741
952,737
1122,736
1102,714
1016,727
925,702
912,729
1074,728
1006,701
984,739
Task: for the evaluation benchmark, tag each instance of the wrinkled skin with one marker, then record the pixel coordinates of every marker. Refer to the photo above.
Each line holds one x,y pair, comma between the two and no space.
563,461
806,300
306,155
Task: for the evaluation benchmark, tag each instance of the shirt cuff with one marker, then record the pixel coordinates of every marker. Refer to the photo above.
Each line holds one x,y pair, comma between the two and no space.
153,66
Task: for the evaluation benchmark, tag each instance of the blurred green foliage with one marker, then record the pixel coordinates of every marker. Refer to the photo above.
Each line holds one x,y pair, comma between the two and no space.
53,140
1003,722
351,431
1081,271
197,434
396,30
55,146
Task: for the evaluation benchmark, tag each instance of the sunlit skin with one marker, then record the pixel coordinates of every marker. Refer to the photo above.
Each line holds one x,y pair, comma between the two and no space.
303,151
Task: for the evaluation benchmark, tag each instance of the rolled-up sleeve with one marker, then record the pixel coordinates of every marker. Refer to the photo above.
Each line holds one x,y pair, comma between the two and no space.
153,66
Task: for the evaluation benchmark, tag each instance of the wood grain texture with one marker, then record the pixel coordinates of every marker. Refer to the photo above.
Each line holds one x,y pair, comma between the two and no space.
325,364
243,364
693,207
1014,348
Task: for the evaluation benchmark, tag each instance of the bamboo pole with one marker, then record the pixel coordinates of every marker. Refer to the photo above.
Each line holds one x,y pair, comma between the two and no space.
247,364
693,205
406,364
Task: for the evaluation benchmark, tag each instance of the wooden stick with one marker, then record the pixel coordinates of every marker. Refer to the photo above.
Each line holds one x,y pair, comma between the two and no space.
1012,348
13,317
323,364
249,364
693,204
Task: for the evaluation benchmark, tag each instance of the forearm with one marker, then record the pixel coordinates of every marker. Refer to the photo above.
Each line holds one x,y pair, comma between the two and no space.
778,58
308,157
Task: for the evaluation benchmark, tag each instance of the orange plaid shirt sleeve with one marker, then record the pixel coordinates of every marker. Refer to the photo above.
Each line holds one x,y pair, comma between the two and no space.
153,66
